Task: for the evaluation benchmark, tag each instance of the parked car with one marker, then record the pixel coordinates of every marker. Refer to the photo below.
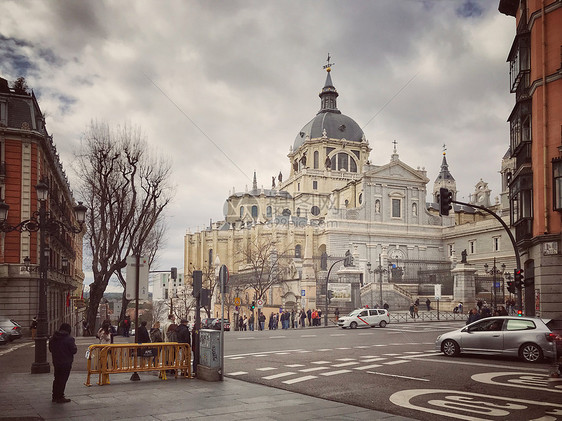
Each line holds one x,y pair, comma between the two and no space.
4,336
365,317
207,323
216,324
523,337
11,327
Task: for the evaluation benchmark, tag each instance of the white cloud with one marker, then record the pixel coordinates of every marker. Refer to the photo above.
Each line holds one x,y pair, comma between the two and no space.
247,74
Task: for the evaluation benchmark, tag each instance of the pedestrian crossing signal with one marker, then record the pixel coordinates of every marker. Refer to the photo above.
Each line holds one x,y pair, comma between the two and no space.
519,313
253,305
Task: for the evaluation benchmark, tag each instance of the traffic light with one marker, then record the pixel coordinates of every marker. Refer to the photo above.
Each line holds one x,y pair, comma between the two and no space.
518,279
253,305
519,313
445,201
174,273
511,287
330,295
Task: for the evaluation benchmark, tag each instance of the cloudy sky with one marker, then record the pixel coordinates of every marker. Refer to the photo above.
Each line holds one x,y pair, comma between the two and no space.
221,88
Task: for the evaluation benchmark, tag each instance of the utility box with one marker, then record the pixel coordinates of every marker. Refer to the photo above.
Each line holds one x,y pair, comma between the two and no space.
209,348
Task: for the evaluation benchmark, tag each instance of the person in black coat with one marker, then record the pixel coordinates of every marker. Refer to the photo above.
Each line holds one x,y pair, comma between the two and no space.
143,336
182,332
63,348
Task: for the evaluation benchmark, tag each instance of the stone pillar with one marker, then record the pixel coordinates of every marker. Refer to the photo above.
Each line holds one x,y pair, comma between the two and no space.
351,275
464,288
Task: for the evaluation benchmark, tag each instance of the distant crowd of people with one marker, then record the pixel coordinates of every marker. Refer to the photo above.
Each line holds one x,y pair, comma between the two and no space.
482,310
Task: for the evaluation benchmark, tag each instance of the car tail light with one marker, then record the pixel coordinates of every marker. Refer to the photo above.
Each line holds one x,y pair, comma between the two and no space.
551,336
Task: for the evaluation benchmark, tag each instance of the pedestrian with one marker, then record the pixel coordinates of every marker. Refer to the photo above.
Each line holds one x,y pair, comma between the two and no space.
33,328
63,348
245,323
428,304
293,319
479,304
412,310
170,329
104,334
251,322
417,302
156,333
262,321
270,324
309,316
142,334
303,318
86,328
473,316
337,314
416,312
386,306
182,332
126,326
460,307
319,322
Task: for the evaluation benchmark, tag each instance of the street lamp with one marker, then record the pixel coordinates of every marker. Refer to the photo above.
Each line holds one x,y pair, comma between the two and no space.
380,270
495,271
43,222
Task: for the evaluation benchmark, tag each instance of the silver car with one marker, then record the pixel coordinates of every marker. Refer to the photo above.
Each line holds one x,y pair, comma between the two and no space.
523,337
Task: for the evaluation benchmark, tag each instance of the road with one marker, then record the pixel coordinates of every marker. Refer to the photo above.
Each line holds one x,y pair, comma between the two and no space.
395,369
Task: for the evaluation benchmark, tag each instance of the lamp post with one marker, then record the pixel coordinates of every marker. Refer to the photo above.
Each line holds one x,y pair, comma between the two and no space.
43,222
494,271
380,270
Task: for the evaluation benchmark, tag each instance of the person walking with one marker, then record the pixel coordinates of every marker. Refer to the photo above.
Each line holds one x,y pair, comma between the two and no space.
251,322
156,333
33,328
142,335
62,347
245,323
182,332
416,312
337,314
428,304
262,321
303,318
412,310
293,319
104,334
309,316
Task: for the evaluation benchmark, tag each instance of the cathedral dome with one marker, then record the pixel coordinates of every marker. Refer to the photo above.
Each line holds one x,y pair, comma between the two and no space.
329,122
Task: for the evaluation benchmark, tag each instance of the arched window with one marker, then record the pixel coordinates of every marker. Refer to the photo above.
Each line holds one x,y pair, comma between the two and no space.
343,161
315,210
316,158
352,165
298,211
360,198
286,212
254,211
268,211
241,211
298,251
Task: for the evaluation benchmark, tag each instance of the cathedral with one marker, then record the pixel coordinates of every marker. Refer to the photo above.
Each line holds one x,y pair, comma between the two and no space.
285,245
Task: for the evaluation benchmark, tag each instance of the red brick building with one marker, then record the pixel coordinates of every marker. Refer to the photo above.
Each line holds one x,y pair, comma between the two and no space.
535,122
27,156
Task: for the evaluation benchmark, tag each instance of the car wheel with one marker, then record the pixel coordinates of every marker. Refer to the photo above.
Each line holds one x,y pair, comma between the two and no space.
530,353
353,325
450,348
382,323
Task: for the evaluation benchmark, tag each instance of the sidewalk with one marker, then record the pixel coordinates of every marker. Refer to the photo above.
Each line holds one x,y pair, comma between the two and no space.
28,397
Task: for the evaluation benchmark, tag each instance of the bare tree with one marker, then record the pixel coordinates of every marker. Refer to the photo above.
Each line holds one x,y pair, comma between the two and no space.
126,191
263,266
20,86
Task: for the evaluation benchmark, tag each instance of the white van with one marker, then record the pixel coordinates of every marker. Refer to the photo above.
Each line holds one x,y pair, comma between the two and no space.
365,317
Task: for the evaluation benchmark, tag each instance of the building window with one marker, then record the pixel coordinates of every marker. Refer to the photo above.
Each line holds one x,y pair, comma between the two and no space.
344,162
241,211
316,158
315,185
360,198
286,212
298,211
254,211
521,198
210,258
496,243
315,210
557,183
298,186
472,246
3,113
268,211
377,206
396,203
298,251
451,249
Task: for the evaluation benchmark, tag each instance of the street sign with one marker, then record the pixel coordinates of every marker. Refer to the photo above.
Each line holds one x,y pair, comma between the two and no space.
497,284
259,303
437,291
131,276
303,292
237,301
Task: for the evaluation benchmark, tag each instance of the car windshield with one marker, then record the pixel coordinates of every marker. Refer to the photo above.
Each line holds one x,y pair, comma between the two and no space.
355,312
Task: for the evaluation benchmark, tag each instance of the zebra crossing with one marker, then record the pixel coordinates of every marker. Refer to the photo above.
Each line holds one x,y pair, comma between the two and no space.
302,372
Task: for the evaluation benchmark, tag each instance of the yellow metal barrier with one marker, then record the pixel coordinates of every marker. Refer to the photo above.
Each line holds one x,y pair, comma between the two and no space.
109,359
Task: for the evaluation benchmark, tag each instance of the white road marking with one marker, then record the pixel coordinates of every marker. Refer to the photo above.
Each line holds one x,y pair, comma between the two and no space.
294,365
299,379
303,352
396,375
427,354
413,352
395,362
309,370
343,348
308,336
372,360
266,368
345,359
276,376
367,367
261,353
281,353
337,334
245,338
324,350
333,373
365,333
14,347
236,358
392,355
321,362
345,364
237,373
495,366
361,346
277,337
